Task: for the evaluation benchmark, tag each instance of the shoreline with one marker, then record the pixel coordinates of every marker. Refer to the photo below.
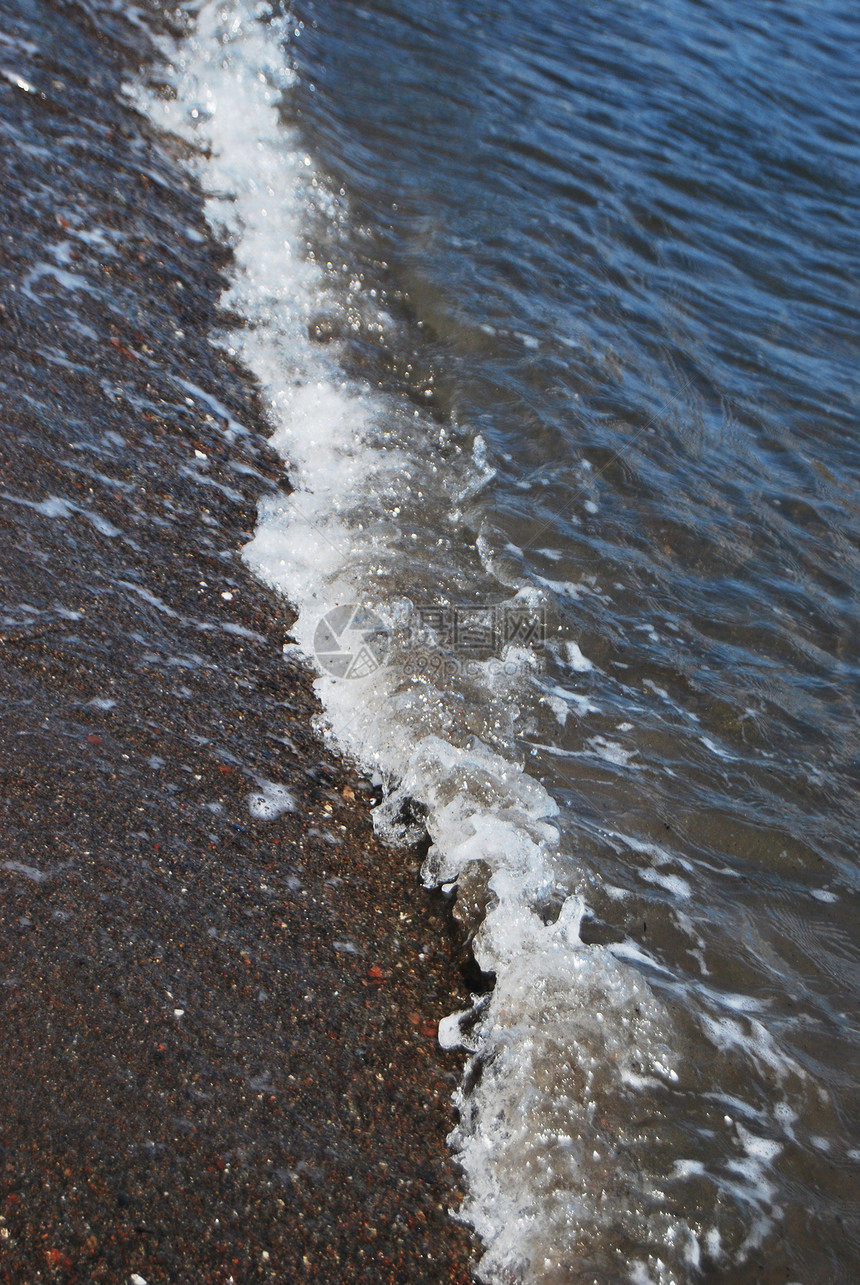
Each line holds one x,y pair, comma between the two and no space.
220,1060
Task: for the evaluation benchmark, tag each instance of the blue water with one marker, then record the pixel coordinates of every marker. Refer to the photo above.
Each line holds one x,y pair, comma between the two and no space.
625,236
590,275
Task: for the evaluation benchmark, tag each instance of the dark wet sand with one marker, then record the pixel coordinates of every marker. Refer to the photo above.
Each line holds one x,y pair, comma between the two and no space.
218,1057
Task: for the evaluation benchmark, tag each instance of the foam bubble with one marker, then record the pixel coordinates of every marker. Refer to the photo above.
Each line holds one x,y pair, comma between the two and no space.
575,658
271,801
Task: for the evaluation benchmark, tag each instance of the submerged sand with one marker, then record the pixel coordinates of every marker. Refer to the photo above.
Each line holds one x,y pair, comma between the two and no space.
218,1059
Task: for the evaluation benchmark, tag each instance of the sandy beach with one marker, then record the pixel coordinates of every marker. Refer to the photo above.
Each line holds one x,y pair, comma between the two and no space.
219,992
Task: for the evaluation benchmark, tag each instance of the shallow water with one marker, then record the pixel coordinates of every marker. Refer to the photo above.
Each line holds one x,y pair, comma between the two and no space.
555,317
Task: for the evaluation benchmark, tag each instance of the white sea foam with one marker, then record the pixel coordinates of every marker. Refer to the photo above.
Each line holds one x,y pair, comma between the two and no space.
55,506
270,801
572,1076
575,658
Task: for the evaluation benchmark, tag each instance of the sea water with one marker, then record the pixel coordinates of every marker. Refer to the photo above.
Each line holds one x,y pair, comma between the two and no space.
554,311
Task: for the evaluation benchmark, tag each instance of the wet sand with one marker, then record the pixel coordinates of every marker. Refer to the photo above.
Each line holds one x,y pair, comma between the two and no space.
218,1059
